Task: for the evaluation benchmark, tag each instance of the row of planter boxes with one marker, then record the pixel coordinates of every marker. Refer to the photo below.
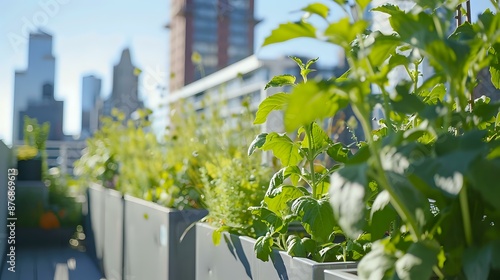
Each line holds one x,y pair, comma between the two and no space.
137,239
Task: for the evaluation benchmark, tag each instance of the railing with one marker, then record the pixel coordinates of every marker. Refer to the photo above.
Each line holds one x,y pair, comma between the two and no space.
63,154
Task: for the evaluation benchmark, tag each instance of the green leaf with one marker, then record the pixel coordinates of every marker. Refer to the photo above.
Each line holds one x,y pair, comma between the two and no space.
281,80
382,47
412,199
276,180
484,176
339,152
294,173
258,142
288,31
378,263
495,75
406,103
316,217
319,9
216,235
312,101
381,216
347,196
283,148
418,261
277,200
295,247
320,139
273,222
263,247
274,102
343,32
477,262
435,95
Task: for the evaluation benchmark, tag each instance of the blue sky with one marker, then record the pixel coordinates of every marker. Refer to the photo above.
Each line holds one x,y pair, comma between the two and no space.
90,34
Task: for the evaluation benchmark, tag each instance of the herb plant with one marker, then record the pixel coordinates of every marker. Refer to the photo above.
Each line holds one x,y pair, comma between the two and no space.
424,186
304,196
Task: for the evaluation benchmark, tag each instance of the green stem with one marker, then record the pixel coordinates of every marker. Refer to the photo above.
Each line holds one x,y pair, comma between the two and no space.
438,272
464,206
311,159
396,201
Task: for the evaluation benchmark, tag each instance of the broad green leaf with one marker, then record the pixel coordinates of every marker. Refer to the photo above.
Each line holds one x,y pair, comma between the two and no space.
381,216
263,247
316,217
477,262
418,261
273,222
347,197
484,176
281,80
276,180
274,102
288,31
343,32
378,263
362,155
320,139
294,173
339,152
435,95
411,198
382,47
283,148
319,9
257,143
406,103
312,101
295,247
277,201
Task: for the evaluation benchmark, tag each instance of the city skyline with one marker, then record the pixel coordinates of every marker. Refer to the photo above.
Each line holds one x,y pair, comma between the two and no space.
89,41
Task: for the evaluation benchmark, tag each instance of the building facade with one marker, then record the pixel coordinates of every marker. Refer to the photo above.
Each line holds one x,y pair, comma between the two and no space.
91,102
125,92
208,35
29,84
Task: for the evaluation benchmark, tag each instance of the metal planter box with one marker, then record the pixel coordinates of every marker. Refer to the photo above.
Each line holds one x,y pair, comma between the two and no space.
234,258
153,249
113,235
342,274
96,196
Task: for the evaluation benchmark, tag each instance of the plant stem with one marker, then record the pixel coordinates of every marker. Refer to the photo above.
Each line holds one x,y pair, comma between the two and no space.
400,207
438,272
311,159
464,206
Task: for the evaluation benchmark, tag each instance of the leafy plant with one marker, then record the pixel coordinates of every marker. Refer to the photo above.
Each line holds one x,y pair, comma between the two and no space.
303,197
129,157
214,150
424,185
35,138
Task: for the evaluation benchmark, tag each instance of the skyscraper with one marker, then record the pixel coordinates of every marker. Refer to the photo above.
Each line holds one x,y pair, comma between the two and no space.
29,84
220,31
125,94
91,96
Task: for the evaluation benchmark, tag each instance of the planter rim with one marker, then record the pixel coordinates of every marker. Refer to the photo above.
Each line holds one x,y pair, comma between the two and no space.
154,205
343,273
300,259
